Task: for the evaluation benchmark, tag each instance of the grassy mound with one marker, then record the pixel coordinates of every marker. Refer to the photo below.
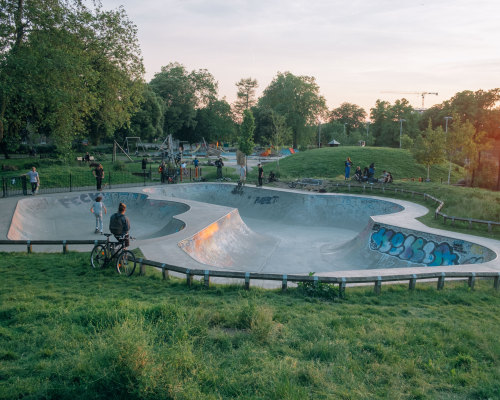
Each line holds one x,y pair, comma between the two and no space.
328,162
70,332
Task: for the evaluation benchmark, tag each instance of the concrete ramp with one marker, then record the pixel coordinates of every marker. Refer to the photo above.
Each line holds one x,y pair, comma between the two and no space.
230,243
69,217
302,232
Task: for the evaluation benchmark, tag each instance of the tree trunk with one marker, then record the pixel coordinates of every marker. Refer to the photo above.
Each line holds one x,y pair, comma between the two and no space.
428,172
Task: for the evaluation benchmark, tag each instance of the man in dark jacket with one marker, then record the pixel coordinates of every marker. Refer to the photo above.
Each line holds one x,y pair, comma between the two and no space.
119,224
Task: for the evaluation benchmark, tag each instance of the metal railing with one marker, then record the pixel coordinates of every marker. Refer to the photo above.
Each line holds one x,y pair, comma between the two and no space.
77,181
246,277
437,212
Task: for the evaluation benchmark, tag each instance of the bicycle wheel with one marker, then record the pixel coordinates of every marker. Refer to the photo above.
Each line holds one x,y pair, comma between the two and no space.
98,256
126,263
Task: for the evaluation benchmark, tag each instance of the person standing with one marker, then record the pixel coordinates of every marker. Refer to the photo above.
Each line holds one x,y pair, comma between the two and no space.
219,164
97,209
162,169
260,174
99,176
196,163
144,164
348,164
34,180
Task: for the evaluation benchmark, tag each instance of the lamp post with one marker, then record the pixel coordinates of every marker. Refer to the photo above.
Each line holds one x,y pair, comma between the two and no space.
446,132
319,133
401,120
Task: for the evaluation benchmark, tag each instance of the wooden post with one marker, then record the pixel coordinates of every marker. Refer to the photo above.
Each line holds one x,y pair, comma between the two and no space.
413,282
342,288
440,283
189,277
472,280
142,267
65,247
247,280
496,281
28,244
207,278
164,272
489,227
284,283
378,285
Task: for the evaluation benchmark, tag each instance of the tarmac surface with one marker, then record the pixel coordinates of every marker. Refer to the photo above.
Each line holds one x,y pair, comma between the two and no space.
205,225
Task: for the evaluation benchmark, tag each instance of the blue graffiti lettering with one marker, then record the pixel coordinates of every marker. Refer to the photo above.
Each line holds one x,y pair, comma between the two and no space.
411,248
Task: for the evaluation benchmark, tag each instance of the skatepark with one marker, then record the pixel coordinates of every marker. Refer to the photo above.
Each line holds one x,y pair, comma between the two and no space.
283,231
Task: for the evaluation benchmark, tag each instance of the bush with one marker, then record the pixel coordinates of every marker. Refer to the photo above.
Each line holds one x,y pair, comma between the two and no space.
119,166
323,290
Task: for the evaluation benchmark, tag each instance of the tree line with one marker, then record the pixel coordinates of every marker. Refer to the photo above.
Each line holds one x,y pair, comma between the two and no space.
69,71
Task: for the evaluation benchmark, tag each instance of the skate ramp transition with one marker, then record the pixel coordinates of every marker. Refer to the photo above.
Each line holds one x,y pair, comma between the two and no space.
69,217
276,230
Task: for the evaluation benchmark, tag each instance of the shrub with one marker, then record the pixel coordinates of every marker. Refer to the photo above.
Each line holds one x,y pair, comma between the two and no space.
119,166
320,289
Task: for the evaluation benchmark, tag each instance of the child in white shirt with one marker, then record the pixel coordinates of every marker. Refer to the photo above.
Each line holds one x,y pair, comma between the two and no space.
97,209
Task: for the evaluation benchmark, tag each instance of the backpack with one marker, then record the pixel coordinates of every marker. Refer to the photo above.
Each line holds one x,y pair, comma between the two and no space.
116,224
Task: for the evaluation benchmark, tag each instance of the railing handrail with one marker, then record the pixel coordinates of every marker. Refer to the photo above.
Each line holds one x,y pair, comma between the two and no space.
285,278
437,212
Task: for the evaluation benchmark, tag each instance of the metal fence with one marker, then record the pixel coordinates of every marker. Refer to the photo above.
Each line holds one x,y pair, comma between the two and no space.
77,181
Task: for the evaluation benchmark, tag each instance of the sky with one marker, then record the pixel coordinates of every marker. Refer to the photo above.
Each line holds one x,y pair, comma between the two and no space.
356,49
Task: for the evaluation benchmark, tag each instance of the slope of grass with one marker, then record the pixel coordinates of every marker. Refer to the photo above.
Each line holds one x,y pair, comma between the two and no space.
69,332
328,162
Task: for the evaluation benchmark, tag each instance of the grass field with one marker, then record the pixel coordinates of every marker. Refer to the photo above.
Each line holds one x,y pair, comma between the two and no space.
70,332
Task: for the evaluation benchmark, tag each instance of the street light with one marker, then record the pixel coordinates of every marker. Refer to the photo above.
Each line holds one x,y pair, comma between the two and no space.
401,120
319,133
446,132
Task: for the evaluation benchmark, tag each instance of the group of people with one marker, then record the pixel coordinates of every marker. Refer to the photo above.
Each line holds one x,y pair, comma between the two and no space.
367,174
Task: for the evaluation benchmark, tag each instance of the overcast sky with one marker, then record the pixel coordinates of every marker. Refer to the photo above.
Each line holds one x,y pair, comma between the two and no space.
356,49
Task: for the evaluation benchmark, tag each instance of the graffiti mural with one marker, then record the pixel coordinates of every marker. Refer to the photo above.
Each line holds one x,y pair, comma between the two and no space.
411,248
266,200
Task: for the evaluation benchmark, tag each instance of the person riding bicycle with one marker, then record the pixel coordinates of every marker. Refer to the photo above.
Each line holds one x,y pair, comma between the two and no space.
119,225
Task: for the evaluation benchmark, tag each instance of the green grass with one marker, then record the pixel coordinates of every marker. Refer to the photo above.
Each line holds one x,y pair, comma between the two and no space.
70,332
328,163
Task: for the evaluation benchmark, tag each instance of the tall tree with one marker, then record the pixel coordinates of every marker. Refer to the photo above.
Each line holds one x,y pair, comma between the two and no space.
61,63
349,114
245,96
429,149
297,98
480,108
214,123
386,125
184,93
147,122
247,128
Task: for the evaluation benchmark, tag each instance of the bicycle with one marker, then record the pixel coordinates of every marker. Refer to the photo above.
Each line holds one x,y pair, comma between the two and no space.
102,254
